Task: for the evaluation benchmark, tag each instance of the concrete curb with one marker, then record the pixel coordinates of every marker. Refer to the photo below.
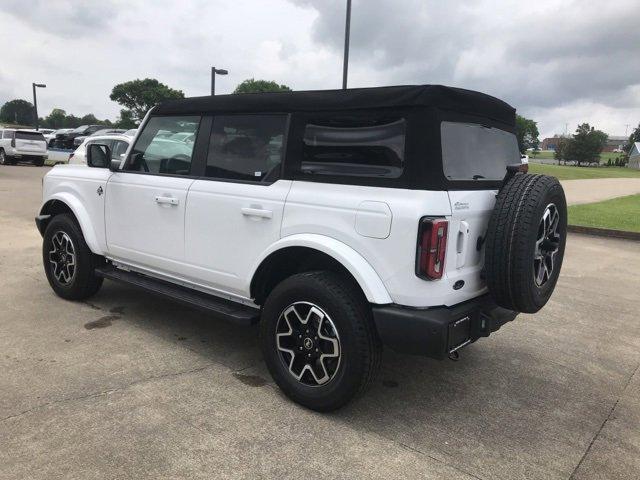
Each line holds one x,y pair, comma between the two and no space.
604,232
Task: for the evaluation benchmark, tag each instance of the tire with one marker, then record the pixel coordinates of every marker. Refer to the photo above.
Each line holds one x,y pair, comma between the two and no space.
38,162
75,283
342,324
4,159
525,243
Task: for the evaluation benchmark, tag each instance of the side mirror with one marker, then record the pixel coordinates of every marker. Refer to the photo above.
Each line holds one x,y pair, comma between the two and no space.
98,156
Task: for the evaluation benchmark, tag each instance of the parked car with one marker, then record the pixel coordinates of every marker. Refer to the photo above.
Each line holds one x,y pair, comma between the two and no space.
51,140
105,131
117,144
65,140
131,132
340,221
22,146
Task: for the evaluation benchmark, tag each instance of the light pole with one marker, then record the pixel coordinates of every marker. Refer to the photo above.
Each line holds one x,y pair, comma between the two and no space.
347,31
216,71
35,100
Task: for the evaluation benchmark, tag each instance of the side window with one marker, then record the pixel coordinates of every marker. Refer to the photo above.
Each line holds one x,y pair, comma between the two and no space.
8,134
158,150
246,147
119,148
357,147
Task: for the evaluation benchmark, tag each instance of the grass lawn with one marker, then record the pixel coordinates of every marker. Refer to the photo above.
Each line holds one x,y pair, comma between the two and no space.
621,213
564,172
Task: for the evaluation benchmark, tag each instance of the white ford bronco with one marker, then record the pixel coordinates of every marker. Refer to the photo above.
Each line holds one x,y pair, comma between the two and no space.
339,221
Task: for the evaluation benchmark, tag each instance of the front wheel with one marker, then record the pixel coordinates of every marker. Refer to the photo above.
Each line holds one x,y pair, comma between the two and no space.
68,262
318,340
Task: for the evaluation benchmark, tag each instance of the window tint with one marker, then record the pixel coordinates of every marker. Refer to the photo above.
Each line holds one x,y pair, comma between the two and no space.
29,136
8,134
246,147
156,152
363,150
475,152
119,148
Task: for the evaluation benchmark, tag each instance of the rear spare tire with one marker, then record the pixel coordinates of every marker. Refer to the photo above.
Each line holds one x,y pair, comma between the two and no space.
525,242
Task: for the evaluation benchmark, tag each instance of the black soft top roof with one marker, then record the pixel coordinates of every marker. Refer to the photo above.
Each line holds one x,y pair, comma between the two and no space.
439,96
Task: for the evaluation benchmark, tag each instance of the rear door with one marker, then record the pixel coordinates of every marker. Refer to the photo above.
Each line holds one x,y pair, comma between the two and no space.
30,143
234,211
476,153
146,200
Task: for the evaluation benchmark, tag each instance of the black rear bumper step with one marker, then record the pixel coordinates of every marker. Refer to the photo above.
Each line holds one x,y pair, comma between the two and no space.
224,309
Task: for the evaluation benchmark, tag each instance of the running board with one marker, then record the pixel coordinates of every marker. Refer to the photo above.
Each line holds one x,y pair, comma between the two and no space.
225,309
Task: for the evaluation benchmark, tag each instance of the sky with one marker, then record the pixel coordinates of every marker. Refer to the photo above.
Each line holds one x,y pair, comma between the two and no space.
559,62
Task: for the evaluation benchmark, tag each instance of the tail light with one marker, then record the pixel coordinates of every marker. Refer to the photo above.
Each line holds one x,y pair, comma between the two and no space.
432,246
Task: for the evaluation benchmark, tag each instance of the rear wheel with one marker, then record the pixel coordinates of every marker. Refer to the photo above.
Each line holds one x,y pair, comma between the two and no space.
525,242
68,262
38,162
318,340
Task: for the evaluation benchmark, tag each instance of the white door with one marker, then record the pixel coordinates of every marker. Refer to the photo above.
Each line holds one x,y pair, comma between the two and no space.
235,213
145,202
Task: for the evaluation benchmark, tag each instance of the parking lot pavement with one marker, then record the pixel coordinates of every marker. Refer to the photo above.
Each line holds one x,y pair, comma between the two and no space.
128,385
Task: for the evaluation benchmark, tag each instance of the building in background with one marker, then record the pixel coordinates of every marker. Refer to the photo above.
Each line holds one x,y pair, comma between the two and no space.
634,156
615,143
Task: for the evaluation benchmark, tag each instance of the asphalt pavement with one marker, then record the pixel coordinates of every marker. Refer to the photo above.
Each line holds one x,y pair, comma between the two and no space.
129,385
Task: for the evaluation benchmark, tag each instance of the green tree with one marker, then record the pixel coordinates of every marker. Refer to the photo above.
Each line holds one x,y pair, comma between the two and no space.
561,146
586,145
140,96
526,133
256,86
17,111
90,119
125,120
56,118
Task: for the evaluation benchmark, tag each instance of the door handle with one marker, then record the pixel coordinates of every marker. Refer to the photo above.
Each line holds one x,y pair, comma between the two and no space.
256,212
167,200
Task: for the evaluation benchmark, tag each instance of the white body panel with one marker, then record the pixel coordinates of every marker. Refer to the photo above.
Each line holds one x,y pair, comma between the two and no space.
77,187
144,217
214,235
228,226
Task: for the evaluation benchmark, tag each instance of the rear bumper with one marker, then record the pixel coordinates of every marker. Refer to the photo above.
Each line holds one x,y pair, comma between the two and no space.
437,332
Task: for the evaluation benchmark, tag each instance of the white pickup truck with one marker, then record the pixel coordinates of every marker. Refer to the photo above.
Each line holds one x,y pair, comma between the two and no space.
340,221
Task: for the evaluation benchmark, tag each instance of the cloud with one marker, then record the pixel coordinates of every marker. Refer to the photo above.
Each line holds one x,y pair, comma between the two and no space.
558,61
549,54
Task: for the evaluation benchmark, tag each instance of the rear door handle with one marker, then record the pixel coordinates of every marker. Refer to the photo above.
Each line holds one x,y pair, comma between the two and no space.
256,212
167,200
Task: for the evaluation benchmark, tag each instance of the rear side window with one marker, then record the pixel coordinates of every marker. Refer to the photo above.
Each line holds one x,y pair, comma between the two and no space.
8,134
246,147
29,136
355,148
474,152
157,152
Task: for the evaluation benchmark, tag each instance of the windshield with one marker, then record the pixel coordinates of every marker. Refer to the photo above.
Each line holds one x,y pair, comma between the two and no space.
80,129
474,152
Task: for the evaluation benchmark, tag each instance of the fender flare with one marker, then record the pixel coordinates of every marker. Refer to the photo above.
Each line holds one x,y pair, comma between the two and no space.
361,270
81,215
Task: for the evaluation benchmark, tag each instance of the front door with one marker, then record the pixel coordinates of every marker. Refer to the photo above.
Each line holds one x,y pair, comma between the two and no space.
145,201
235,212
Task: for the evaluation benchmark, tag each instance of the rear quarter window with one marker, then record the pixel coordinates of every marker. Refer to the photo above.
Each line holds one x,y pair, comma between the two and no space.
472,151
353,148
